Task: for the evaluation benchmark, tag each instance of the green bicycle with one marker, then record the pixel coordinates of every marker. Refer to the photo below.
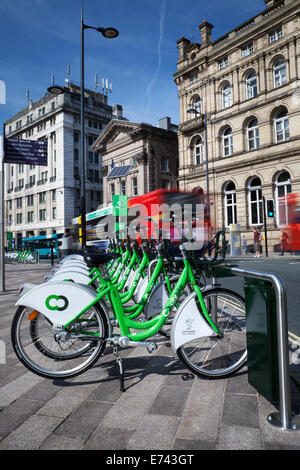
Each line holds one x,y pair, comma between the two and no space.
208,330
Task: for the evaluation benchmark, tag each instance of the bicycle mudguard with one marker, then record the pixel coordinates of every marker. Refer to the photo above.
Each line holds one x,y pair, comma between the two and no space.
72,276
188,324
61,301
157,300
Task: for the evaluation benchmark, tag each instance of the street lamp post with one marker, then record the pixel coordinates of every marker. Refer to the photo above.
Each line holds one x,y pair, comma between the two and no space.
204,116
109,33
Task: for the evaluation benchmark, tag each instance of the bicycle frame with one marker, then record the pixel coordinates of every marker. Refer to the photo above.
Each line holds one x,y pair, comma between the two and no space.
152,326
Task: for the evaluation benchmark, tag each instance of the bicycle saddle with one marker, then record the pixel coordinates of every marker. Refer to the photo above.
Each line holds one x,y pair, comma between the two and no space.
96,259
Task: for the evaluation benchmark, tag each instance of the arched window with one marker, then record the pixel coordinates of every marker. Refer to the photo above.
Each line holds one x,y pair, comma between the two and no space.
282,188
255,202
196,105
279,73
198,152
227,142
230,204
251,85
226,96
282,126
253,135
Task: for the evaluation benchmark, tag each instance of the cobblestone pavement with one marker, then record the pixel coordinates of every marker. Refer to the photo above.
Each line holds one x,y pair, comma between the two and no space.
158,411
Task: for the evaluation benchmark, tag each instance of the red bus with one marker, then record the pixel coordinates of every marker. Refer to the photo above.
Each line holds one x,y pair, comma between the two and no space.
152,204
289,219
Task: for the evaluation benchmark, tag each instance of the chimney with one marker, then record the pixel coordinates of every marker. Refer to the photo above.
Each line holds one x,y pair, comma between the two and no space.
205,30
182,45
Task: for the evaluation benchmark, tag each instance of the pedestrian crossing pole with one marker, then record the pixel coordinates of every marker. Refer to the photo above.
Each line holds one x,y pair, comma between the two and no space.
265,227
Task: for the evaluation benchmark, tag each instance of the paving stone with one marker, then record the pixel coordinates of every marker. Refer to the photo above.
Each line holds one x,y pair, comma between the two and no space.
170,401
193,444
239,438
82,422
31,434
240,410
108,390
238,383
67,399
278,446
154,432
54,442
104,438
16,413
203,410
144,384
43,391
13,390
127,412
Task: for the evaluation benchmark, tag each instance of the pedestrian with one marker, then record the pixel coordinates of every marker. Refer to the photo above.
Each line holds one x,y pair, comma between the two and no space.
244,245
256,244
67,243
283,241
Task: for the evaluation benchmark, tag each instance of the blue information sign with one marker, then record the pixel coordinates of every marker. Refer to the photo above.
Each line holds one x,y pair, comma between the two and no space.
28,152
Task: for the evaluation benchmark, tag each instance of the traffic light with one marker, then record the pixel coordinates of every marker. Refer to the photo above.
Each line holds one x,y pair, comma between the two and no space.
270,207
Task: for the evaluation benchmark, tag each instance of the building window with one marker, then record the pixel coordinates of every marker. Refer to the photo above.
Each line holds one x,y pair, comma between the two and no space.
19,218
227,142
230,208
76,137
282,127
193,77
164,164
76,155
247,50
226,96
30,200
279,73
223,63
53,194
42,197
133,162
255,202
165,184
253,135
30,216
251,85
134,187
42,215
123,188
198,152
53,213
112,190
275,35
19,202
196,105
283,187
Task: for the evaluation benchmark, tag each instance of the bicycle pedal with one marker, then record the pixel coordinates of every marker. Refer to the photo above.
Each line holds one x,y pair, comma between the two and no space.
151,347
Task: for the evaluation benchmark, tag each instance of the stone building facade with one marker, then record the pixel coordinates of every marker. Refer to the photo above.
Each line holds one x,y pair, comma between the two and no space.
151,152
41,200
247,85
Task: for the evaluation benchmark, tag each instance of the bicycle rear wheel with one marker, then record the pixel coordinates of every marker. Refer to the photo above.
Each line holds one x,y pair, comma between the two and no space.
222,355
58,355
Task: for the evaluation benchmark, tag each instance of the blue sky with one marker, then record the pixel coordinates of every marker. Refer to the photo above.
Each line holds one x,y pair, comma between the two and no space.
41,37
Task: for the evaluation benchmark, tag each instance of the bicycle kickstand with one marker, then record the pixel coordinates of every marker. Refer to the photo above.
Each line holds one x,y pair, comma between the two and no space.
120,364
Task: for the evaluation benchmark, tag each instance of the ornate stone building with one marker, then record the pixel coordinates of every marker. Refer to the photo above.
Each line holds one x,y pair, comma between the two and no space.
247,85
151,152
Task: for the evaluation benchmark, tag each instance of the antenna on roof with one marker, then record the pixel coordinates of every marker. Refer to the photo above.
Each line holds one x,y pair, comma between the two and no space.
106,87
96,82
52,79
67,79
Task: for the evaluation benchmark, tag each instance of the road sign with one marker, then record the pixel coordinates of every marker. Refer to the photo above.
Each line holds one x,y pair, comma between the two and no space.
120,204
28,152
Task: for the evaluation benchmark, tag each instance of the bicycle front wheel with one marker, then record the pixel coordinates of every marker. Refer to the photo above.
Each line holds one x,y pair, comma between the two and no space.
222,355
61,355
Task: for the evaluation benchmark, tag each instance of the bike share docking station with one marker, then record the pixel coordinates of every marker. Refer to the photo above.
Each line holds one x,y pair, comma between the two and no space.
267,340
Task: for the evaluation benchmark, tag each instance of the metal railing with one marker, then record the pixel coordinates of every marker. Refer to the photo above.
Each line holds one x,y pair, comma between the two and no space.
282,419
